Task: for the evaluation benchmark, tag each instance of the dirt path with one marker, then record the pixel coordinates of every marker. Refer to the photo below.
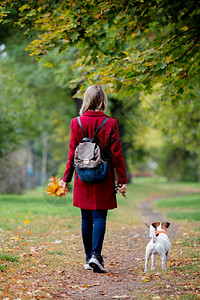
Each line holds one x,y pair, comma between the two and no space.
124,249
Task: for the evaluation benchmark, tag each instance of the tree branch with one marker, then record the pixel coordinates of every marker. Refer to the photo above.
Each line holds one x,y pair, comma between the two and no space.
182,33
180,44
189,49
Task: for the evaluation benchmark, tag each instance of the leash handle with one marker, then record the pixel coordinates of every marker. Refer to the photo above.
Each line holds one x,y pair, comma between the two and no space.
124,195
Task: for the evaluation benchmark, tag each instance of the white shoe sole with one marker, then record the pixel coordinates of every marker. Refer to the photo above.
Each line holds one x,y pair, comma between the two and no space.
87,267
96,266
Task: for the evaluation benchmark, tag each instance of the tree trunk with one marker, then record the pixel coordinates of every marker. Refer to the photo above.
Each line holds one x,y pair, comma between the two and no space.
116,110
32,161
44,158
78,101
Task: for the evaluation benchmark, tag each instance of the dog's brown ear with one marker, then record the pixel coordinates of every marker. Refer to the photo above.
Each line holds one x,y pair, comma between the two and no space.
166,224
155,224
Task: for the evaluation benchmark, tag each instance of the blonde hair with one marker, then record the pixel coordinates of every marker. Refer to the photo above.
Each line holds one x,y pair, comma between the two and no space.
94,99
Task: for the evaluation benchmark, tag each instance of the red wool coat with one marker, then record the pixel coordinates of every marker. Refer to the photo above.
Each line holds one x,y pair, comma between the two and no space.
99,195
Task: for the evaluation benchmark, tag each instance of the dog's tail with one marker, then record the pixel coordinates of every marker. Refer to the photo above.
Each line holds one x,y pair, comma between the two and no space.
153,233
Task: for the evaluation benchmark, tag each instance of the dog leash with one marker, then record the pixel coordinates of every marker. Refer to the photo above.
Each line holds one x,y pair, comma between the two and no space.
133,206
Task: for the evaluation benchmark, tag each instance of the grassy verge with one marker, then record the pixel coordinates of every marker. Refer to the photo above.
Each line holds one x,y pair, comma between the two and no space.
186,207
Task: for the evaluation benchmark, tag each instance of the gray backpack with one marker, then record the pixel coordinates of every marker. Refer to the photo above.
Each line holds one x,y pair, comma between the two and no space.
87,159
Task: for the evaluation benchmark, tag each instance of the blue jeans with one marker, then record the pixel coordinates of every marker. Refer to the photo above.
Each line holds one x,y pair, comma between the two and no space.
93,230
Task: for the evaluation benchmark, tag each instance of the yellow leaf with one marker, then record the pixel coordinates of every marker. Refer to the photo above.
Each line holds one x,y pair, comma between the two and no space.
48,64
28,232
17,238
169,58
26,221
133,34
23,7
149,63
184,28
85,285
145,279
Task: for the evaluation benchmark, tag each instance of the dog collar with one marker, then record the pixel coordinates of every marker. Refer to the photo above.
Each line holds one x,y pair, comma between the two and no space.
160,231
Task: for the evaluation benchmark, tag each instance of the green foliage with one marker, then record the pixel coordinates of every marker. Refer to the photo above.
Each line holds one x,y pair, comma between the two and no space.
171,135
122,44
18,112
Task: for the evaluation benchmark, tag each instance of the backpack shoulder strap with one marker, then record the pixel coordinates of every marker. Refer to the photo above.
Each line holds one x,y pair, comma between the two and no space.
99,128
79,122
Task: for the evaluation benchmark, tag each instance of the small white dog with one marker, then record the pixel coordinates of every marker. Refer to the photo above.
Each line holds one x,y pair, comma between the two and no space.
159,244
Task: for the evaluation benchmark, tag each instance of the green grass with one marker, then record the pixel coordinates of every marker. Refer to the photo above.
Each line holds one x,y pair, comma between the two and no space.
56,252
36,206
186,207
32,205
6,260
192,200
2,268
190,216
8,257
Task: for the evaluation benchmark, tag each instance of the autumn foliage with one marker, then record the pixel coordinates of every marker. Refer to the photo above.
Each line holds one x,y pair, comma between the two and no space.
54,189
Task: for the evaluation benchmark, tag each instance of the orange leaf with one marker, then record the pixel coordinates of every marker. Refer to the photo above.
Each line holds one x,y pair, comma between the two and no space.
26,222
11,270
54,189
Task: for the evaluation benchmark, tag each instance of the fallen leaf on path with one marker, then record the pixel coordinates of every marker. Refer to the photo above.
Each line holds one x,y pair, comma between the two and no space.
16,238
26,221
57,242
119,297
85,286
145,279
111,274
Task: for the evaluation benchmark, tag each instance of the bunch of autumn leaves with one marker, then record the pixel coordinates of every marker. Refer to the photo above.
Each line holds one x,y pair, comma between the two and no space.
54,189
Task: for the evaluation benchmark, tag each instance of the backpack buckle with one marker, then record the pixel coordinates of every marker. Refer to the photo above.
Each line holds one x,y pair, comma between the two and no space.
86,161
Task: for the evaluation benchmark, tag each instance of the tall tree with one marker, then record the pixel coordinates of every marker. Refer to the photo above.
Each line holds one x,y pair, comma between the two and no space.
124,44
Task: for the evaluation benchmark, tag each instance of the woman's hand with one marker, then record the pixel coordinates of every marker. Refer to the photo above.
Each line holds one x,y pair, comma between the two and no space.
62,184
122,188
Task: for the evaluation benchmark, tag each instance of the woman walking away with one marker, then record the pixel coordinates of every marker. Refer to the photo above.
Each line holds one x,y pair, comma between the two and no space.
95,197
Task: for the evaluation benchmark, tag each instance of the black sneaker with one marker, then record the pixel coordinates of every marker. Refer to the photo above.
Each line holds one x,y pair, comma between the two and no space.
96,262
